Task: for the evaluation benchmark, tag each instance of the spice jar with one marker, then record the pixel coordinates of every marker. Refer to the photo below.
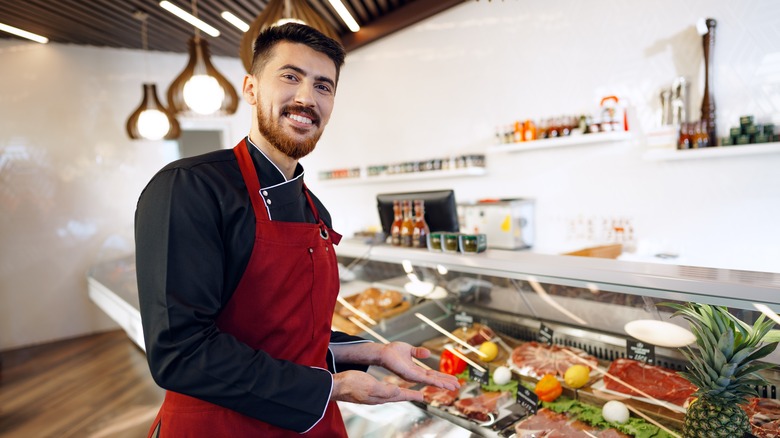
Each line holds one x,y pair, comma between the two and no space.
434,242
450,242
473,243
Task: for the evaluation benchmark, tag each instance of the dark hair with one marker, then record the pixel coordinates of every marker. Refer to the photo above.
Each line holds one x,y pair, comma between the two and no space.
296,33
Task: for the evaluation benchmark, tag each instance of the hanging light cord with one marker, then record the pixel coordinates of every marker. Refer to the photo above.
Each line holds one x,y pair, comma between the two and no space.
145,45
195,14
142,17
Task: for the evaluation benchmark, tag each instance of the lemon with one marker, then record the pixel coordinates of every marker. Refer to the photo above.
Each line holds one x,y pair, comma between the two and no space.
489,349
577,376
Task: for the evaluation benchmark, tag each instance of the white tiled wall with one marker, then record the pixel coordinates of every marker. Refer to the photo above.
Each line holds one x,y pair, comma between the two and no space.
69,177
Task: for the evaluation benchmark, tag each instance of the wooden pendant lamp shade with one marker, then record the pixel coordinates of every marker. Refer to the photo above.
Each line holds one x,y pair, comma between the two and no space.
200,64
271,14
149,120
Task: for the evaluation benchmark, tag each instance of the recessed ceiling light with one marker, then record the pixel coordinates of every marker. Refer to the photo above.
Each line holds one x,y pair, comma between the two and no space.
189,18
23,33
235,21
346,17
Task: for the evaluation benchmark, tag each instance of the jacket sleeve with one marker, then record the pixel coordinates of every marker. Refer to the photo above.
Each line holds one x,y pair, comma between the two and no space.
339,338
180,268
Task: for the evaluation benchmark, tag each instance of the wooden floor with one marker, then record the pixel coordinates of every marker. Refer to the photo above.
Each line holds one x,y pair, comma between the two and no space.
96,386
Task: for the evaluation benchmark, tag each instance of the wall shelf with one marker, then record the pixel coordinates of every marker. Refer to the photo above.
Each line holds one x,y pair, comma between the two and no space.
411,176
712,152
572,140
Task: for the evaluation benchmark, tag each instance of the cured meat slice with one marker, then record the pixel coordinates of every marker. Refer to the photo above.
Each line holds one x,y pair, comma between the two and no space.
658,382
435,396
549,424
538,359
480,407
474,335
764,416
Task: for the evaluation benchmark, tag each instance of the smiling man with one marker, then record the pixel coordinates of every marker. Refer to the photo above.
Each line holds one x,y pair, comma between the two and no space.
237,271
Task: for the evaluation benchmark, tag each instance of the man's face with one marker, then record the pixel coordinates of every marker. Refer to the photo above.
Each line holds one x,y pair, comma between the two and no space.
295,92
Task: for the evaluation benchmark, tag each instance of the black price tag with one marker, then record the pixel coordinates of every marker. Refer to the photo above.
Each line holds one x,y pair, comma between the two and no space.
483,377
464,320
640,351
527,399
545,335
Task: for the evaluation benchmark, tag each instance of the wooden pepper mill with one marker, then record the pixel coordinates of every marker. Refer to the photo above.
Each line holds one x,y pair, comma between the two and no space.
708,101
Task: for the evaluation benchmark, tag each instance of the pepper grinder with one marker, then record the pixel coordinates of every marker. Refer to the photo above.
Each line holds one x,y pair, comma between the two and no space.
708,101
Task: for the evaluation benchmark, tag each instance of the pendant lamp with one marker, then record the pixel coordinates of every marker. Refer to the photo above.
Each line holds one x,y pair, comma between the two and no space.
151,120
278,12
200,88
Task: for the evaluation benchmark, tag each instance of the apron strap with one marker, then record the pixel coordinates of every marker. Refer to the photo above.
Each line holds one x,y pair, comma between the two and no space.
325,232
250,179
253,187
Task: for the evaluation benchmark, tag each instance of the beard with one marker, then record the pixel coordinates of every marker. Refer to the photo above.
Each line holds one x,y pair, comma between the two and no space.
275,135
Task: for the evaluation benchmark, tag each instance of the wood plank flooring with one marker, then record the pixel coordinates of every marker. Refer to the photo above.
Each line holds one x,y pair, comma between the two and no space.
96,386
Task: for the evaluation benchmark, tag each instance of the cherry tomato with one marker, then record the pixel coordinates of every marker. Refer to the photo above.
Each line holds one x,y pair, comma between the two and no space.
451,364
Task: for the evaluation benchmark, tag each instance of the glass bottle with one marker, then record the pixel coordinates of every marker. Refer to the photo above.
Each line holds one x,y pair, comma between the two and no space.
685,137
420,231
529,131
701,138
395,229
407,226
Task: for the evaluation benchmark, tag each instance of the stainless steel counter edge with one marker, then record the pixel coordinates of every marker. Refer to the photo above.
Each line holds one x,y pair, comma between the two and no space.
727,287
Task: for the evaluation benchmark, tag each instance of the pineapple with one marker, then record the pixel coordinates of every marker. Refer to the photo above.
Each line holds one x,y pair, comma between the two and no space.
723,369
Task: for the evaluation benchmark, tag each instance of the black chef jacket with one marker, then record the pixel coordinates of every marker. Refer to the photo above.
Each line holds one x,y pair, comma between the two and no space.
194,231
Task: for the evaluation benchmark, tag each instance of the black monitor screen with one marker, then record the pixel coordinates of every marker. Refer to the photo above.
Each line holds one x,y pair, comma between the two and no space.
441,212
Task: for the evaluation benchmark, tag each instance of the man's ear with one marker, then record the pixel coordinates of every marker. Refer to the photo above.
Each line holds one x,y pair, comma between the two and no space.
249,90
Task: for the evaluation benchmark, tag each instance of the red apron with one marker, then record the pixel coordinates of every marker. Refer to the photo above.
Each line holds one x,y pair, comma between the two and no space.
286,296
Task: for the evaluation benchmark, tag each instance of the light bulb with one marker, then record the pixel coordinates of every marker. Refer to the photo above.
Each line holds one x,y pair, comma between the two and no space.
153,124
203,94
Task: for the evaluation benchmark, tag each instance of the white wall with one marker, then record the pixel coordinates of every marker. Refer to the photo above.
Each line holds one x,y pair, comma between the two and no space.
69,177
440,87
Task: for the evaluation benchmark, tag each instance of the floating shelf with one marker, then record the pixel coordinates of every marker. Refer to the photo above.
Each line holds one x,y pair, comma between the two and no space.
572,140
411,176
711,152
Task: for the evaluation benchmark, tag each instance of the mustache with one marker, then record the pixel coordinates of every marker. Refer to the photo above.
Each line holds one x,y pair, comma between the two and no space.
300,109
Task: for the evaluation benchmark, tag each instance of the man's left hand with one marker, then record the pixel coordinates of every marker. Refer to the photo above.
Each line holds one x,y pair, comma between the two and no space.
397,357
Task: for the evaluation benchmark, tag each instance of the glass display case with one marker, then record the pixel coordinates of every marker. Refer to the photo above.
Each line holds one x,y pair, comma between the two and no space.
536,309
606,310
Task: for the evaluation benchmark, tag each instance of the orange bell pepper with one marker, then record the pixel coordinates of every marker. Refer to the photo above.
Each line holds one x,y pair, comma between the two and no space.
548,388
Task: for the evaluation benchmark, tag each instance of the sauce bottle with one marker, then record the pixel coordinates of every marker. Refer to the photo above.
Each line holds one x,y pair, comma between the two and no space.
395,229
420,231
517,132
407,226
685,137
529,131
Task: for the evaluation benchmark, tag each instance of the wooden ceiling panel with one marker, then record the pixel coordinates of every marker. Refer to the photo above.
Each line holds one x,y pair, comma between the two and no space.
110,23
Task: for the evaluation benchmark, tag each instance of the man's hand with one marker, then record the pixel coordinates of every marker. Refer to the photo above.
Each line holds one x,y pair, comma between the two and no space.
397,357
360,387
